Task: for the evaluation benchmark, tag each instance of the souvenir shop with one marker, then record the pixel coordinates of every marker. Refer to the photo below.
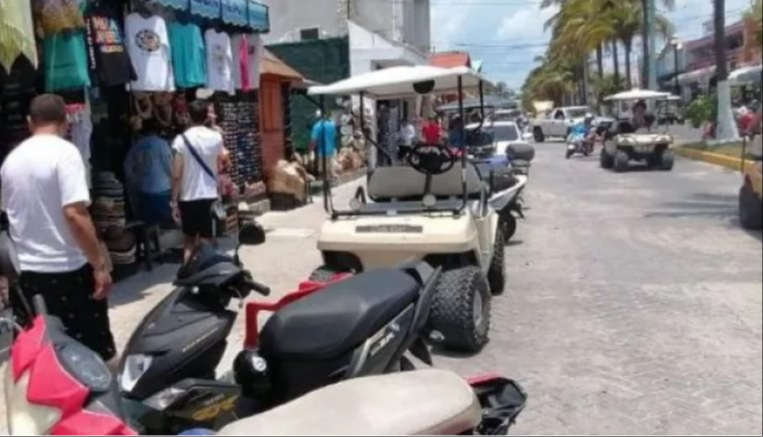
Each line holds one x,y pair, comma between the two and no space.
127,70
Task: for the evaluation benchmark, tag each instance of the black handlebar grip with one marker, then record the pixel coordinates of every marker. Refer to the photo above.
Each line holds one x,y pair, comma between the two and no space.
259,288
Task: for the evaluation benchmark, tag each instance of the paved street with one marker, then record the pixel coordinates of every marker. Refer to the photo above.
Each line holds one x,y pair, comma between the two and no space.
634,302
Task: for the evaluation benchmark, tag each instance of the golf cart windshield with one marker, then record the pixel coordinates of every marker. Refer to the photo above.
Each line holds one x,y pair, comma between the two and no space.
505,132
436,176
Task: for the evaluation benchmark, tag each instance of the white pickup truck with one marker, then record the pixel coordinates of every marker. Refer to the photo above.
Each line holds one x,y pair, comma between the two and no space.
558,122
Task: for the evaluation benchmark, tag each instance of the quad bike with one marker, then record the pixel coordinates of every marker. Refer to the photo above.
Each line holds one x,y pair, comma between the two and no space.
436,209
624,143
54,385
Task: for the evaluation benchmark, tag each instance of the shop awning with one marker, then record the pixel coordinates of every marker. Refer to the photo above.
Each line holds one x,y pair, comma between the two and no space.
242,13
746,75
271,65
701,75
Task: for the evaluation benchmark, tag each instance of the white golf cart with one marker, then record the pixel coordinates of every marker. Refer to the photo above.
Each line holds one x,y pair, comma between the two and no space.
435,209
626,141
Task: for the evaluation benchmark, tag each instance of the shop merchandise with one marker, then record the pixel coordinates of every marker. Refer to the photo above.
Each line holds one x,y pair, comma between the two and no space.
66,62
241,62
148,45
106,46
17,89
238,116
219,61
108,208
56,16
188,55
16,33
256,52
81,131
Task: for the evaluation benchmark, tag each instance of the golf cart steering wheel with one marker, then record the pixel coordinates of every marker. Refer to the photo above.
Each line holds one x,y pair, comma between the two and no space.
431,159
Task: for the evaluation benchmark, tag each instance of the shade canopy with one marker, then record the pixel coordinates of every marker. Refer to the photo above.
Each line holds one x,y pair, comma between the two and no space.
746,75
474,102
637,94
396,82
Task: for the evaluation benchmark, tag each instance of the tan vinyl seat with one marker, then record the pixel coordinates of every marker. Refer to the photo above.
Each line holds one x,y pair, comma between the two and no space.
424,402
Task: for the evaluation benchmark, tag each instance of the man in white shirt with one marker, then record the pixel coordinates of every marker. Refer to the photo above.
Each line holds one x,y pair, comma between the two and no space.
45,195
194,181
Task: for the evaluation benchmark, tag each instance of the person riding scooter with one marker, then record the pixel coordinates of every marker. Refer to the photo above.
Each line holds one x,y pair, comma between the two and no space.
587,131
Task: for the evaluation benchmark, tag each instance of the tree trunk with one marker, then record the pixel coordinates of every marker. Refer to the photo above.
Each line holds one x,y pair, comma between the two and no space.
600,60
645,39
726,128
628,72
616,59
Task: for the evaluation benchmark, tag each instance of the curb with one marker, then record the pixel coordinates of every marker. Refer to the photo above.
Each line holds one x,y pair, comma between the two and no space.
724,161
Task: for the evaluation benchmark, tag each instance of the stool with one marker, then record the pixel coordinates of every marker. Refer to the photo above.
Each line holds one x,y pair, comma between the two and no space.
147,239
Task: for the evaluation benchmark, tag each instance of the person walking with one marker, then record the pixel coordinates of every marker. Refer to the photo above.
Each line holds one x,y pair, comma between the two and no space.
323,143
198,152
45,197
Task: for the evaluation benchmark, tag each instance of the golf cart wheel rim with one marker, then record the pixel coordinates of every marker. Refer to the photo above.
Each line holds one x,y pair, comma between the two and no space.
478,307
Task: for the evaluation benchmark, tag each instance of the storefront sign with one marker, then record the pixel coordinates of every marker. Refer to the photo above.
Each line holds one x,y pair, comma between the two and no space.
259,17
181,5
206,8
235,12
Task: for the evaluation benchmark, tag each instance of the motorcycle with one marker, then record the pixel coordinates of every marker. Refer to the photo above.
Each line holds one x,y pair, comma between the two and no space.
56,386
578,143
323,334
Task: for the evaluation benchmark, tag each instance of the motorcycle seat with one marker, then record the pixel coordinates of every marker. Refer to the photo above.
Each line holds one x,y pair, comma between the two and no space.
424,402
329,323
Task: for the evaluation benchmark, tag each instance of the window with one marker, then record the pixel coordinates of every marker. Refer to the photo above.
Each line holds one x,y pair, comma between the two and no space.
559,115
310,34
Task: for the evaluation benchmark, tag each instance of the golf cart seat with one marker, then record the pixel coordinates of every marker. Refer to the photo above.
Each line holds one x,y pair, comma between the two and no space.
386,184
328,324
424,402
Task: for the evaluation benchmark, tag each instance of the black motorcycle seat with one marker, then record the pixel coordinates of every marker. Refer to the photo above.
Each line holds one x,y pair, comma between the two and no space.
339,318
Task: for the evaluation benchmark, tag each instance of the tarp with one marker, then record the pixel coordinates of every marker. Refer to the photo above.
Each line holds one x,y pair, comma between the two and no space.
396,82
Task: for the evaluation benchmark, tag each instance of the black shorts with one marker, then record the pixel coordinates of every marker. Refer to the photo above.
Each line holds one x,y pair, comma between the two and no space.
197,220
69,296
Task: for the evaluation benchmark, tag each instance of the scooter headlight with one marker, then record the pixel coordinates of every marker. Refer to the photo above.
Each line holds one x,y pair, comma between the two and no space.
165,398
134,368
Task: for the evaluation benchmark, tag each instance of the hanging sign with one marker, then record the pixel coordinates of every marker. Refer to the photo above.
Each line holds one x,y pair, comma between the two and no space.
181,5
235,12
206,8
259,17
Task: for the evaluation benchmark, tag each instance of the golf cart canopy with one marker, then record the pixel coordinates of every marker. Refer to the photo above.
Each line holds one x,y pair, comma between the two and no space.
637,94
398,82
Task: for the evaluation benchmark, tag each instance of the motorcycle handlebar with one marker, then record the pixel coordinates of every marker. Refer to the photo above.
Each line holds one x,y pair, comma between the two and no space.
259,288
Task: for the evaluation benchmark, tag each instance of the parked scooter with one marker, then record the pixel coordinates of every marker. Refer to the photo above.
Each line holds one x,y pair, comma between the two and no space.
56,386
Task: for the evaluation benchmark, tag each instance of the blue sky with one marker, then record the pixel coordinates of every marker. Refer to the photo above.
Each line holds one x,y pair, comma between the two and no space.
508,34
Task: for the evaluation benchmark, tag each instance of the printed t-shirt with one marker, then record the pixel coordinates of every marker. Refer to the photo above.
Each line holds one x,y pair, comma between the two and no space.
219,62
148,44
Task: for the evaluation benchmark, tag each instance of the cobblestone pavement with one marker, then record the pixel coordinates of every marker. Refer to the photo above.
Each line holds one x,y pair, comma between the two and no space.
633,302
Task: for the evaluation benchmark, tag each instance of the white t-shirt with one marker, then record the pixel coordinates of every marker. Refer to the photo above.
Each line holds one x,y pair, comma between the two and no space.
39,178
197,183
219,62
256,52
148,45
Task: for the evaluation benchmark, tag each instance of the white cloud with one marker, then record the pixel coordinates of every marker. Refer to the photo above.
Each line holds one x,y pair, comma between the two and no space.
525,24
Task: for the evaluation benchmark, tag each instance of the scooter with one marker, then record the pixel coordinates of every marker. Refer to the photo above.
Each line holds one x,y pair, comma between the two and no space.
506,188
56,386
578,144
323,334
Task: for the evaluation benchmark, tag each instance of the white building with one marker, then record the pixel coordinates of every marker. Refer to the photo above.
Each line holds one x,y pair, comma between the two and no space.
382,33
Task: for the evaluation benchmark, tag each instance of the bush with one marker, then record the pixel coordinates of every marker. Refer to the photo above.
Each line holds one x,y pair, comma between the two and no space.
702,110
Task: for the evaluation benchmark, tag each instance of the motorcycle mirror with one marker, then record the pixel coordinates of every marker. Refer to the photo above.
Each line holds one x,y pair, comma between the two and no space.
251,234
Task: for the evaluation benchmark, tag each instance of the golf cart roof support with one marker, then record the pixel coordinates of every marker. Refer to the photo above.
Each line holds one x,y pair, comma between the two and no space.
464,160
327,200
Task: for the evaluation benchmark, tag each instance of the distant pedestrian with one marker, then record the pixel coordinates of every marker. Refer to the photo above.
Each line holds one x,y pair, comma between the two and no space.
407,140
456,134
323,143
432,131
198,153
46,197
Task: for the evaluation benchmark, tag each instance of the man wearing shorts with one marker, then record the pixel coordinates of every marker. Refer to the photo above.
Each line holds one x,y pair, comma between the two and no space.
194,183
45,195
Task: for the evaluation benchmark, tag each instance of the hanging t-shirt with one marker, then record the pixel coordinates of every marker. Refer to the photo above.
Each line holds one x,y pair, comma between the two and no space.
241,62
108,55
148,44
188,55
66,65
219,62
56,16
256,52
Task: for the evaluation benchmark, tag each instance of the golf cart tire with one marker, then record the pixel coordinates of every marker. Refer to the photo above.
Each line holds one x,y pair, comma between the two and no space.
453,309
324,274
496,276
538,135
509,224
667,160
622,162
569,153
750,209
607,162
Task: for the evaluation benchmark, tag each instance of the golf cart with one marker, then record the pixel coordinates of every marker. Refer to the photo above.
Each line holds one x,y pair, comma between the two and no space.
673,112
625,142
434,209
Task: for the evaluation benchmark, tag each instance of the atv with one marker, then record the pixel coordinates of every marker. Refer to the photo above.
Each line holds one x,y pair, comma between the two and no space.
625,142
435,209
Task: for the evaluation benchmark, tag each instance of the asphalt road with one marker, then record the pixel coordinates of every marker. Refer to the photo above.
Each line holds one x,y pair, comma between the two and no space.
633,303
